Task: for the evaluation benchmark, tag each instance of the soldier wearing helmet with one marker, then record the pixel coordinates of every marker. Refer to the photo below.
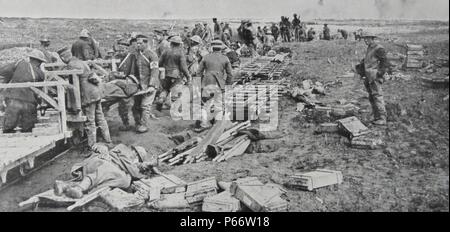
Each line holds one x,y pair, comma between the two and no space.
375,65
174,62
21,103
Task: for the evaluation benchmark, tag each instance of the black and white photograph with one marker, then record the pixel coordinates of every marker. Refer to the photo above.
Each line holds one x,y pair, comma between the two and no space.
232,106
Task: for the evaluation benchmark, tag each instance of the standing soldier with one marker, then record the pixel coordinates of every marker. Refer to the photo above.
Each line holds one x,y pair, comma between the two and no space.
82,48
44,48
216,72
296,24
217,29
146,65
375,65
207,33
275,31
163,44
175,65
21,103
91,97
326,32
228,29
194,54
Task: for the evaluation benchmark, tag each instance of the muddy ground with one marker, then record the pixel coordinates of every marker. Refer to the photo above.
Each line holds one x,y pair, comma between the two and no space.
410,174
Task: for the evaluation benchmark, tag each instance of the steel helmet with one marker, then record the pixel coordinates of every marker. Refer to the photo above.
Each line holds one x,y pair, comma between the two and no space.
38,55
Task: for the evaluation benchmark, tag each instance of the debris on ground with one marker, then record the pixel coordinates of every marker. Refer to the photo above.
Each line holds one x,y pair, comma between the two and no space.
414,56
436,82
352,127
316,179
368,142
222,202
120,200
199,190
259,197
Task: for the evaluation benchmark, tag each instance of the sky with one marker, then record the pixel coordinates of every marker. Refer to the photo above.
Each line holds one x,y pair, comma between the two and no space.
194,9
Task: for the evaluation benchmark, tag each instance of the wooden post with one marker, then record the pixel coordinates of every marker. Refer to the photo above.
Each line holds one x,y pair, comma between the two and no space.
62,108
113,65
77,93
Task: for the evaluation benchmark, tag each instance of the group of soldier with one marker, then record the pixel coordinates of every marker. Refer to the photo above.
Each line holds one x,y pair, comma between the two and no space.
210,54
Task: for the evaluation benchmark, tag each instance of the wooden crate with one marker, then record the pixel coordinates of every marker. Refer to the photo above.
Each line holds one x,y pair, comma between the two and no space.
167,184
352,127
261,198
222,202
198,190
316,179
119,199
327,128
366,142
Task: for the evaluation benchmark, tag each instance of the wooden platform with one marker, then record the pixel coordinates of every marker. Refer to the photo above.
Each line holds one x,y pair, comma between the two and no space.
20,150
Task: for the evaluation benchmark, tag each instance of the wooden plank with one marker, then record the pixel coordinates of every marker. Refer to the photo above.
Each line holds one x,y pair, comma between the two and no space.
222,202
32,84
88,198
62,107
47,98
65,72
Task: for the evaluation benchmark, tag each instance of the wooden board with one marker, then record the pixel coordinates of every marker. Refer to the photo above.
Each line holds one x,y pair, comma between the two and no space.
222,202
263,198
13,153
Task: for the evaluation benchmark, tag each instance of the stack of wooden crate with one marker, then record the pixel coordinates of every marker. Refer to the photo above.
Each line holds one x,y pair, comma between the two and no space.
414,56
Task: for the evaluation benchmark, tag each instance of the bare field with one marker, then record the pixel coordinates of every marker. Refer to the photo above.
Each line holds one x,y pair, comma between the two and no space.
410,174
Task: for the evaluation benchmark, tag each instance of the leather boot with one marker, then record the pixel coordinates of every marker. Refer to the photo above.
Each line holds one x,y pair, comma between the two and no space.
60,187
105,134
142,128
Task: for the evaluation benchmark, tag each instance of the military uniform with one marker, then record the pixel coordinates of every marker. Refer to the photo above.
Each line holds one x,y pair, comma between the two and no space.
163,46
326,33
375,63
147,73
216,72
82,49
21,103
175,65
215,69
91,96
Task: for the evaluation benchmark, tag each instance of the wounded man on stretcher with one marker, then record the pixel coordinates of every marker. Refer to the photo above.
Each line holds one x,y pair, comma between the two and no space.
120,87
115,168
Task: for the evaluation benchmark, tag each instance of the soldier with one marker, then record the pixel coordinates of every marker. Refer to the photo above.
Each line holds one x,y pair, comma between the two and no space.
127,71
186,36
269,41
163,44
311,34
275,31
21,103
82,48
91,97
217,29
207,33
175,65
146,64
375,65
194,54
44,48
216,72
326,32
344,33
115,168
296,24
228,29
